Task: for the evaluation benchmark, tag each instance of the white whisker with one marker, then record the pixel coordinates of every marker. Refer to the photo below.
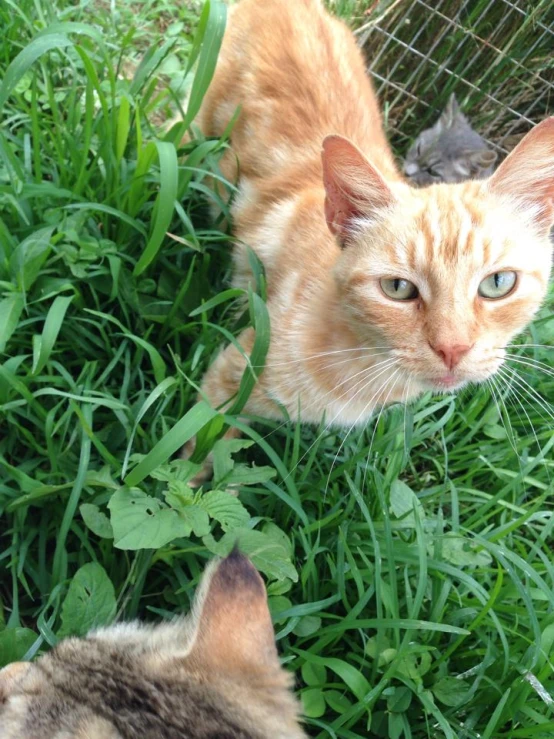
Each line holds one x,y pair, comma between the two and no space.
531,346
508,393
533,363
497,392
389,362
528,389
294,382
376,424
364,409
367,382
519,397
367,349
525,389
405,401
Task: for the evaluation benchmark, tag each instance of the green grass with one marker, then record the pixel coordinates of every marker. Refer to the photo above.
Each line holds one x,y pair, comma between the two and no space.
409,566
496,57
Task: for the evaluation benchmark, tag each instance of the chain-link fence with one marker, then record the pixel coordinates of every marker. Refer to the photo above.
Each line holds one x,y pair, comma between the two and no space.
496,55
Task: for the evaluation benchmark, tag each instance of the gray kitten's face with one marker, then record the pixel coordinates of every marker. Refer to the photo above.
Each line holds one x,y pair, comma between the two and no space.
215,674
450,151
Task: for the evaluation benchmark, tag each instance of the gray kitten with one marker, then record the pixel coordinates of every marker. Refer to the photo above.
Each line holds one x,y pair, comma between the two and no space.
213,675
449,151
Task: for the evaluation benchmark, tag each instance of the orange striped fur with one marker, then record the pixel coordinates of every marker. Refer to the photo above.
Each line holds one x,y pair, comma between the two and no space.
327,233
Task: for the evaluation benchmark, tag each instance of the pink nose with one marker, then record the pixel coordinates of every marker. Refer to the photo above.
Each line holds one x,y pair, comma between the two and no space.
451,354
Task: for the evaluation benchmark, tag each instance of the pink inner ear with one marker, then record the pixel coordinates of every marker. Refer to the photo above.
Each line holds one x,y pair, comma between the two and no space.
339,208
353,187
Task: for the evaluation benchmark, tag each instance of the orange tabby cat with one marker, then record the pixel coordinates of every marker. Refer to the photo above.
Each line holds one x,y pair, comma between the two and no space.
376,291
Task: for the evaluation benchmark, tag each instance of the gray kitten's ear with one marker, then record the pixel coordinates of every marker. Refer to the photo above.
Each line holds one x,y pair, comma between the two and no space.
453,106
526,177
451,112
482,158
234,632
354,188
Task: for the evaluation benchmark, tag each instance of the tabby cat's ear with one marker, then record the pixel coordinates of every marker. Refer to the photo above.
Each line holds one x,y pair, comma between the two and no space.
354,188
12,675
234,632
526,176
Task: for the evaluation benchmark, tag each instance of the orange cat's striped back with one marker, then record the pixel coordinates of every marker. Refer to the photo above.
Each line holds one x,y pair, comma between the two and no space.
297,75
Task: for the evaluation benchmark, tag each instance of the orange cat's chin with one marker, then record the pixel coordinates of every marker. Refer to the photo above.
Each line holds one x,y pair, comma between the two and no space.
456,380
448,382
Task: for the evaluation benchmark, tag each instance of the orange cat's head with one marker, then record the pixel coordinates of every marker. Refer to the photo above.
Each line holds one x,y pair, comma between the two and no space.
445,276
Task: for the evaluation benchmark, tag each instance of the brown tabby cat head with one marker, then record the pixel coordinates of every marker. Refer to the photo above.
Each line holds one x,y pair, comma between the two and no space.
446,276
215,674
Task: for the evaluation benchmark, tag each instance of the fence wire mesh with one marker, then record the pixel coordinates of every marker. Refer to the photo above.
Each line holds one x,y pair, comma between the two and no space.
496,55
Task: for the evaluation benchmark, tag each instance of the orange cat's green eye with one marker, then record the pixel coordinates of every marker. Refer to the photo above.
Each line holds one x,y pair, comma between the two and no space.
399,289
497,285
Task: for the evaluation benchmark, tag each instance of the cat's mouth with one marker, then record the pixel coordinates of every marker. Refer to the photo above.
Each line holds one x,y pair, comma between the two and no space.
448,381
451,381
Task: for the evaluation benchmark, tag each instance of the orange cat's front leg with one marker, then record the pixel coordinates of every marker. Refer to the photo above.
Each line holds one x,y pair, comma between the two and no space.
220,386
221,382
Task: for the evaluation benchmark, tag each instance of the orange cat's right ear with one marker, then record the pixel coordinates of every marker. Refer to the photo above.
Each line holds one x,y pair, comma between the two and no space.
354,189
526,176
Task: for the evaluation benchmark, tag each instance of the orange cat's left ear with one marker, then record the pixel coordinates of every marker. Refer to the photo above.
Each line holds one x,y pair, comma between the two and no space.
354,188
526,176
